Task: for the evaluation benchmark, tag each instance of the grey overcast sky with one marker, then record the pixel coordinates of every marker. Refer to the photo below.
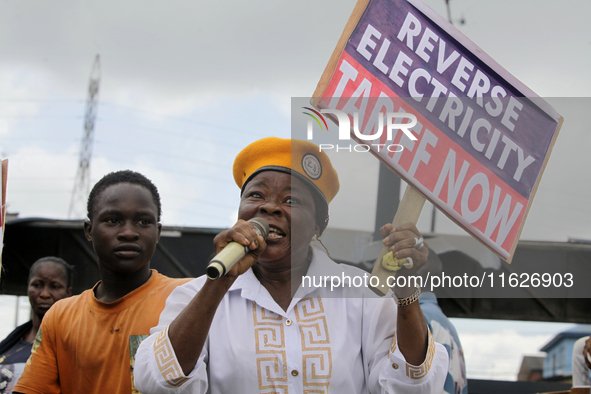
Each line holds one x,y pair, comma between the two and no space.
185,85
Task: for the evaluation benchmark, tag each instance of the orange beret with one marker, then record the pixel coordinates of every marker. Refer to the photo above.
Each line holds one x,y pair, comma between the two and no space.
300,158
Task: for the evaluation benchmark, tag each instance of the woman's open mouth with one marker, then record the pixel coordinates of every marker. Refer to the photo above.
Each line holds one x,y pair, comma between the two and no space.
275,233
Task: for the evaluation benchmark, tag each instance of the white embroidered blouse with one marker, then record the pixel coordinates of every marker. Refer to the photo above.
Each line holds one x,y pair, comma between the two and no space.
326,342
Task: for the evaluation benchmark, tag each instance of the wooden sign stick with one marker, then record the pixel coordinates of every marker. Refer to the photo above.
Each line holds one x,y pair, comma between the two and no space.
409,210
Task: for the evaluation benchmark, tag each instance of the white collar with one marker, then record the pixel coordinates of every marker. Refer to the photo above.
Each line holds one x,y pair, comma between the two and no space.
251,289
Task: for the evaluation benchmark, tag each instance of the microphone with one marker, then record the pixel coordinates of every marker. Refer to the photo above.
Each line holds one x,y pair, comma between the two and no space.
233,252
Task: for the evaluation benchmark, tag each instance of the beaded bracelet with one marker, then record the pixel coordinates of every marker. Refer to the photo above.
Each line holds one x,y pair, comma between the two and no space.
410,299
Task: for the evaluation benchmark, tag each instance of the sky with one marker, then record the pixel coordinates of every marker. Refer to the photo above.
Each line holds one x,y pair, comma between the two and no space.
185,85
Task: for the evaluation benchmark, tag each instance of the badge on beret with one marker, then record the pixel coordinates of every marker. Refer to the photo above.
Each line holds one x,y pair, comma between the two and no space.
311,166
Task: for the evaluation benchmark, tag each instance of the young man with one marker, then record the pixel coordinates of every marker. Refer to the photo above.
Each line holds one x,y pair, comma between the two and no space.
86,344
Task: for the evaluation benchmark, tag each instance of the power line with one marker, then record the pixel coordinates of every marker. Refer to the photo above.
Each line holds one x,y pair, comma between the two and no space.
173,171
221,206
37,139
200,214
39,100
215,126
39,179
39,190
161,154
42,117
169,133
48,154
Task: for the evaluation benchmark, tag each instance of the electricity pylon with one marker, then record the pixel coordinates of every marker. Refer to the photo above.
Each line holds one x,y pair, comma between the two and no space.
82,182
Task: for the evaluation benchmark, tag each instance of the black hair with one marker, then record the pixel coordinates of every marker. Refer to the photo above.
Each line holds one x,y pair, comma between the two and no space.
124,176
67,267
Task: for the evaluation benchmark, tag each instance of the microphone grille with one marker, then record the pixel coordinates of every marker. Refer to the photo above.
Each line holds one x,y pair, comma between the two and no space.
261,226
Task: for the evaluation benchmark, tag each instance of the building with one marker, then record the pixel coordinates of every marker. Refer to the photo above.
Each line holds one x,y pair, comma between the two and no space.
531,369
559,353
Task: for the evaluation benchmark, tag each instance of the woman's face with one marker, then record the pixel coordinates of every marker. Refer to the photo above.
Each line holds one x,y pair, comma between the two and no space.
47,285
286,203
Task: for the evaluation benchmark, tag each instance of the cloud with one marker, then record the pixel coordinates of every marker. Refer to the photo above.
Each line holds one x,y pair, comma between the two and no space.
40,182
498,355
181,49
174,57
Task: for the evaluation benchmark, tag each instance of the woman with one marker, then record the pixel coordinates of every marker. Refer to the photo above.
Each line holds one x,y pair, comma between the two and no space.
256,330
50,280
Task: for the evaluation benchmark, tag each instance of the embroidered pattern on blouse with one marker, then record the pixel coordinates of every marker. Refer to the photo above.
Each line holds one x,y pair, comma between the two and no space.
418,372
393,347
270,349
270,343
316,350
170,370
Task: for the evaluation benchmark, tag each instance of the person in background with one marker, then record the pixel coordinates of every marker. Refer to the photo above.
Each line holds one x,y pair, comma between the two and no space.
87,343
582,362
443,330
50,280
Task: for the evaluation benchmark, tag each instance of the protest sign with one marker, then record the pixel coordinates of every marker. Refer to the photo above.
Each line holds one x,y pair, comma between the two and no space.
442,114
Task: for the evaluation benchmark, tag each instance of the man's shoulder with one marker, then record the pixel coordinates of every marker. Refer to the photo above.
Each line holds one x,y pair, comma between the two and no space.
64,312
168,281
167,284
186,288
70,303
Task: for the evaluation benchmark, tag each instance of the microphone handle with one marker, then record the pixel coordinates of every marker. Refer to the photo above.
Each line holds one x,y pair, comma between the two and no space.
233,252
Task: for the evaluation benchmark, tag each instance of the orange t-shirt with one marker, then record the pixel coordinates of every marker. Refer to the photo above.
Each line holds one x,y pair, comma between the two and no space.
86,346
